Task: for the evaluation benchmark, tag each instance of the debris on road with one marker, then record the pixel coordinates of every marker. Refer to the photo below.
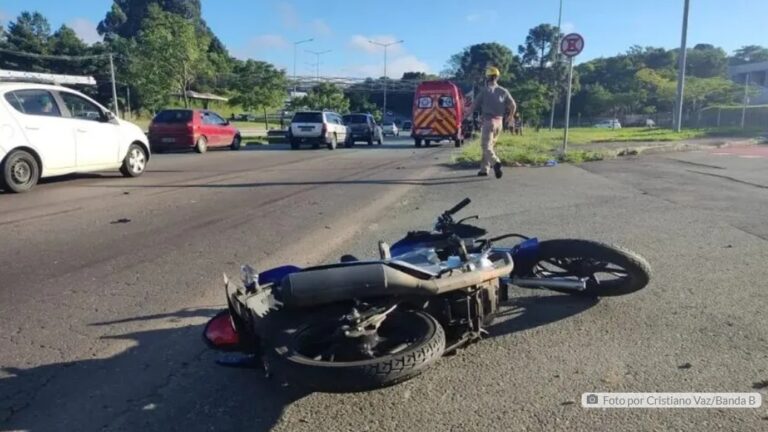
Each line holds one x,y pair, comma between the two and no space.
120,221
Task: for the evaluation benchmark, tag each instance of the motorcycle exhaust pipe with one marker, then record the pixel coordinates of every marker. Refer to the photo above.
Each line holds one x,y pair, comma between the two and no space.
569,284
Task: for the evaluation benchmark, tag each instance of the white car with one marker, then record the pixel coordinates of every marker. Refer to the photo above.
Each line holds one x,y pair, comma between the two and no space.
390,128
317,127
50,130
608,124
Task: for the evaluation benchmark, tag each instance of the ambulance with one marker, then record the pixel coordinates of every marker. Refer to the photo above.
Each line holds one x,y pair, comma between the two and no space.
438,111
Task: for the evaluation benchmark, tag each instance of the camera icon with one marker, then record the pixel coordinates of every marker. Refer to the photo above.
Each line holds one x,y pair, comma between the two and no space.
591,399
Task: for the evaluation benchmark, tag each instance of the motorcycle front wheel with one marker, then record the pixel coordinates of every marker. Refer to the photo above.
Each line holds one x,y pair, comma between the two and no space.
313,351
608,270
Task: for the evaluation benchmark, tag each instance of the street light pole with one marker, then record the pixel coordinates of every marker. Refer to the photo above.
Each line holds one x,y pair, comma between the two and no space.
317,65
557,58
385,46
678,113
295,45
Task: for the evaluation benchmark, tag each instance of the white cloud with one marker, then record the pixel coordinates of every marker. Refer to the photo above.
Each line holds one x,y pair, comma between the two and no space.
476,17
85,29
321,28
395,68
288,15
568,27
363,43
267,42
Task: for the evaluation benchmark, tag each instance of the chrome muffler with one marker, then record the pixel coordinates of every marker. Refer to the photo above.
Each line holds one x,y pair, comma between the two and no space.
568,284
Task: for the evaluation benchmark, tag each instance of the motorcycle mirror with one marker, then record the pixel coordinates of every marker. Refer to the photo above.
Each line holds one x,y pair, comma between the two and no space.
250,277
220,333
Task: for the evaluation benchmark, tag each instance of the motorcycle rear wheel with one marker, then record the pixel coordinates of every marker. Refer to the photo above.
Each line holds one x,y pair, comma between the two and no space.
302,352
611,270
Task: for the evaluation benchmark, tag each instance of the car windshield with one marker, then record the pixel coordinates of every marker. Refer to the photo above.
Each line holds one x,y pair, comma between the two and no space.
173,116
355,118
308,117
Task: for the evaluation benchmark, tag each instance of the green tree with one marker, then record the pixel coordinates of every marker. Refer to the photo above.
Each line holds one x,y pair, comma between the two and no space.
258,85
28,34
706,61
532,99
360,103
540,48
169,57
749,54
324,96
469,65
418,76
66,42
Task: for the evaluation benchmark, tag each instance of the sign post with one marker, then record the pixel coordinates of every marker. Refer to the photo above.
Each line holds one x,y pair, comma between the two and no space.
570,46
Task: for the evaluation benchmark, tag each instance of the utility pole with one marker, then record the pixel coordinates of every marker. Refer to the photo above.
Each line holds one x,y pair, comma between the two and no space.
385,46
557,60
678,113
114,86
128,101
746,100
295,45
317,65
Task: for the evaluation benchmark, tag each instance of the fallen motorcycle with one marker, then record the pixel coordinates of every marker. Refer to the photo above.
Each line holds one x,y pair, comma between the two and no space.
359,325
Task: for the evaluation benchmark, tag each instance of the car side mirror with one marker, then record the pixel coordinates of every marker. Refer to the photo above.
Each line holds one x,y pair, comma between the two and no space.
226,123
109,116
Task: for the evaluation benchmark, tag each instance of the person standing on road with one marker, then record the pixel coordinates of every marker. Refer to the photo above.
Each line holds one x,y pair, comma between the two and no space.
494,101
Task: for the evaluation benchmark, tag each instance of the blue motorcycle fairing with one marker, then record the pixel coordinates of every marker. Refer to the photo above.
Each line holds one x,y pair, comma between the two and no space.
525,255
277,274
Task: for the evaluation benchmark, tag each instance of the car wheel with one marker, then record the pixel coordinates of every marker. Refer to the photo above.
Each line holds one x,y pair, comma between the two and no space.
20,172
332,145
135,161
237,143
294,144
417,142
427,143
202,145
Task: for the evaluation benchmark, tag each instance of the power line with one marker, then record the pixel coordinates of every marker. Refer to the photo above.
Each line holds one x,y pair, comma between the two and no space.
53,57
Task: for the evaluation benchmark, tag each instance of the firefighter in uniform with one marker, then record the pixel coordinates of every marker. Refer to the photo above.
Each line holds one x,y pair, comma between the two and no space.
493,101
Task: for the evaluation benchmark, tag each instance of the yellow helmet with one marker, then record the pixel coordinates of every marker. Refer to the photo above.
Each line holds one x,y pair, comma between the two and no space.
492,71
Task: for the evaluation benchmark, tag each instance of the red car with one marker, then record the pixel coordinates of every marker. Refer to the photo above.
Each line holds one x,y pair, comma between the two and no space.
177,129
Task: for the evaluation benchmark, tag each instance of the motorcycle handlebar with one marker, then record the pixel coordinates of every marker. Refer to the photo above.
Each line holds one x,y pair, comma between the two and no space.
465,202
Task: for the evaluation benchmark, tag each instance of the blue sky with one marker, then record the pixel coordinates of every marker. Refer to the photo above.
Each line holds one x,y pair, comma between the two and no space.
432,30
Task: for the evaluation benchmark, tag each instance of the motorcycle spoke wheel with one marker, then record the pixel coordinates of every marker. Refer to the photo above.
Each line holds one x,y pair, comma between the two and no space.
607,270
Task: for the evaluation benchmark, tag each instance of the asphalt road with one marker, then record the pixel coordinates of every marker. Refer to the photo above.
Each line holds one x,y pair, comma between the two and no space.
105,283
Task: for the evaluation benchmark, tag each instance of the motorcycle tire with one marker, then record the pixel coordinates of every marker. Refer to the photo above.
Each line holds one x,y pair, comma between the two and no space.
284,358
636,268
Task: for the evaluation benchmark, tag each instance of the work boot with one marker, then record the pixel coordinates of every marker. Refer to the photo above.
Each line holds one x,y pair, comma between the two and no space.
497,170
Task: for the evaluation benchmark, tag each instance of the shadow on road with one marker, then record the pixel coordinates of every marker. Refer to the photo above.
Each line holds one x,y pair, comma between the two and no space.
166,380
525,313
255,146
416,182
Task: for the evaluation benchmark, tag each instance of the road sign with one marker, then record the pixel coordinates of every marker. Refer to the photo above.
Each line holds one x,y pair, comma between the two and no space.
571,44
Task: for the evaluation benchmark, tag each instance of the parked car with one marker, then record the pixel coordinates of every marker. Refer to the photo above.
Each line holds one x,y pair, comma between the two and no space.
608,124
50,130
407,126
362,127
183,129
316,128
390,128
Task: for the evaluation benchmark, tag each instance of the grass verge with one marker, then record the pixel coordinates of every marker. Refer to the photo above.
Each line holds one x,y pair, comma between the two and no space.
537,148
